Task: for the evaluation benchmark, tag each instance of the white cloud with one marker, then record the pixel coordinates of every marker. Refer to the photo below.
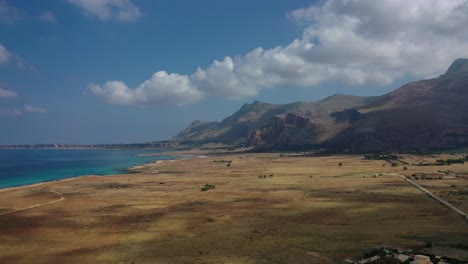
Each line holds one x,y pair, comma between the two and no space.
9,14
161,89
393,37
5,56
34,109
353,42
7,93
48,17
9,112
120,10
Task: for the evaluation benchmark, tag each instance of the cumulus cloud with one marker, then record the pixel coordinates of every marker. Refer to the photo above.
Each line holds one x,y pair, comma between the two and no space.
7,93
393,37
34,109
48,17
10,112
353,42
161,89
9,14
120,10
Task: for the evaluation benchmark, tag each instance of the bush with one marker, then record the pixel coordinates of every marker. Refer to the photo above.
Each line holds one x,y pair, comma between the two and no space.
452,161
207,187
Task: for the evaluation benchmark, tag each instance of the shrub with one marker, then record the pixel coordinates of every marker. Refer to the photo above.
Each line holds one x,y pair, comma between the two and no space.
207,187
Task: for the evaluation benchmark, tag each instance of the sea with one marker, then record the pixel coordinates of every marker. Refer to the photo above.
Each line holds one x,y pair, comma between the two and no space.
29,166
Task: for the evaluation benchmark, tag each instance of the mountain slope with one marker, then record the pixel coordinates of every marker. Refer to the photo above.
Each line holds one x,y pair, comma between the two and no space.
237,128
426,114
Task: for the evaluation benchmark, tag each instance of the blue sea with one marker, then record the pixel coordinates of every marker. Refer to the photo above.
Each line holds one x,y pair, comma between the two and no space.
28,166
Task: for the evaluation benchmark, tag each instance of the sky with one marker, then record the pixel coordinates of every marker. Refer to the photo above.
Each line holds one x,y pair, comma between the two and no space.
127,71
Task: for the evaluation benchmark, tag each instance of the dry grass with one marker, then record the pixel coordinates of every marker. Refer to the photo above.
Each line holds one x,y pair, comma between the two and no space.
309,211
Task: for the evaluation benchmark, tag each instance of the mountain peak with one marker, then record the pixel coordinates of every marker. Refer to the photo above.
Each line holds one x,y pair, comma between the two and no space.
458,66
255,104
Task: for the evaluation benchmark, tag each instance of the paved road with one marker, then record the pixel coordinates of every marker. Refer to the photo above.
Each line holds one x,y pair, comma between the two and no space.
437,198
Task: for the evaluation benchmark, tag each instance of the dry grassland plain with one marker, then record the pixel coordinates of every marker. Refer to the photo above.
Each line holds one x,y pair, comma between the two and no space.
265,208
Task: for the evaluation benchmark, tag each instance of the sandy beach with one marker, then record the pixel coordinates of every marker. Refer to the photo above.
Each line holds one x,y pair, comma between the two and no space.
265,208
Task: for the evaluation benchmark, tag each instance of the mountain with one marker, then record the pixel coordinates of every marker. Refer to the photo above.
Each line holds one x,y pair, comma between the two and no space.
306,129
426,114
459,66
238,128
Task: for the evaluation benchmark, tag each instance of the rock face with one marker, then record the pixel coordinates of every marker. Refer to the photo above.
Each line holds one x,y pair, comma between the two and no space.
285,132
427,114
243,124
296,132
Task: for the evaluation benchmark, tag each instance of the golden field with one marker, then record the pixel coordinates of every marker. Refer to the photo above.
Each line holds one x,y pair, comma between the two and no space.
265,208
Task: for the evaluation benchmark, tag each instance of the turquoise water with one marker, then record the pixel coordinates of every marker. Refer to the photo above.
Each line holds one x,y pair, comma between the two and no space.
28,166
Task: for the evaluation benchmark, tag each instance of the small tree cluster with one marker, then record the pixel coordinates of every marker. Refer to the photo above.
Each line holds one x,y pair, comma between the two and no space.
207,187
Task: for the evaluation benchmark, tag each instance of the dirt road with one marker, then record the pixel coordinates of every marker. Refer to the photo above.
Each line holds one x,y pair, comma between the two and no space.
36,205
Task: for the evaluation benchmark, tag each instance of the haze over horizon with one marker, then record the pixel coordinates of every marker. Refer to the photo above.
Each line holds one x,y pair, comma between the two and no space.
125,71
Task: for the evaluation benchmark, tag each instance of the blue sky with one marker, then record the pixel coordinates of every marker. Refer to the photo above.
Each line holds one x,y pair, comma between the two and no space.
121,71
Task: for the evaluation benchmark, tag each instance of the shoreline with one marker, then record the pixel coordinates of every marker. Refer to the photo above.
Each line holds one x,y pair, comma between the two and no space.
19,187
125,172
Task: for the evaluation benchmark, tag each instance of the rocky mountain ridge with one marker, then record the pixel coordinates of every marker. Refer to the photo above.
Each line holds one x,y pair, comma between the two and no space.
426,114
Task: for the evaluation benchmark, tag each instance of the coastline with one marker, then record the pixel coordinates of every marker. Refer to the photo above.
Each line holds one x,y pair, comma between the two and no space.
19,187
125,171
